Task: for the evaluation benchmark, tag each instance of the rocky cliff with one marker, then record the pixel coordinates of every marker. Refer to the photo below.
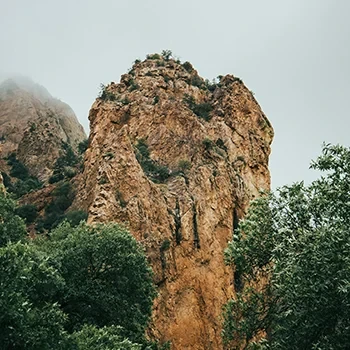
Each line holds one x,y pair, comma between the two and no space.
34,124
177,160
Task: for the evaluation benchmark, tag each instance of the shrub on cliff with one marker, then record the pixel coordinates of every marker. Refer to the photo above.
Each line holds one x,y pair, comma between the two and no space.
106,95
201,110
25,182
153,56
28,212
83,145
297,244
19,170
188,66
20,187
197,81
155,171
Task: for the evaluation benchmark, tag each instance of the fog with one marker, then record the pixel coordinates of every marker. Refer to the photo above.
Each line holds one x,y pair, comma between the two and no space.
293,54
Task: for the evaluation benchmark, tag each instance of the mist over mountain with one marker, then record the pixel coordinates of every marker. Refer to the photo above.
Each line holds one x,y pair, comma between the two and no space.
34,125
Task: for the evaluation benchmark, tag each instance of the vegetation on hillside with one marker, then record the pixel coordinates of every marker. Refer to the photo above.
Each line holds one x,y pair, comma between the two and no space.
157,172
201,110
12,227
24,181
19,182
84,288
66,164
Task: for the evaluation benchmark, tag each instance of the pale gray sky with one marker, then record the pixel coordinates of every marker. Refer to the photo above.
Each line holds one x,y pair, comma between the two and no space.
294,55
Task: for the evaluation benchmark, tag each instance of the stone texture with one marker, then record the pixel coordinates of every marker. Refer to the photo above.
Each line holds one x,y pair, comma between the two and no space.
196,211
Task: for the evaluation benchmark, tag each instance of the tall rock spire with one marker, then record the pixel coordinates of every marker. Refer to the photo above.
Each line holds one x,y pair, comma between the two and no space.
177,160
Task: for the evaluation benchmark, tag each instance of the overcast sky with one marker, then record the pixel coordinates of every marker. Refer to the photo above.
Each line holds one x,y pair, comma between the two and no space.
293,54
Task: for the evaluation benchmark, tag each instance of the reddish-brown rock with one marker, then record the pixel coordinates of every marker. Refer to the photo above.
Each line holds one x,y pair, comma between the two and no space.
184,223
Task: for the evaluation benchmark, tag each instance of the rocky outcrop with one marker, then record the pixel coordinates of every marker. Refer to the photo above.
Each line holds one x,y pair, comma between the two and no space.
177,160
34,124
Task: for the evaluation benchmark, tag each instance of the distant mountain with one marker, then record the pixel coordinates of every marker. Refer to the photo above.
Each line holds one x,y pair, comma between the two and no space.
35,125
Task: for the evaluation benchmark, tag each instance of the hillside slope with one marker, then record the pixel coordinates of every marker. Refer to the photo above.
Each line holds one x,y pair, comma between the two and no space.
35,125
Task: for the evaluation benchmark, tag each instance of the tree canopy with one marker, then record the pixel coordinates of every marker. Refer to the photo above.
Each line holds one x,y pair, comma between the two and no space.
292,258
80,288
30,318
107,278
12,227
105,338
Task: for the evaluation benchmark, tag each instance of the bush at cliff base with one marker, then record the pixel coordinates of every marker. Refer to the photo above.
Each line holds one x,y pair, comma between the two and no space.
30,318
292,263
80,288
107,279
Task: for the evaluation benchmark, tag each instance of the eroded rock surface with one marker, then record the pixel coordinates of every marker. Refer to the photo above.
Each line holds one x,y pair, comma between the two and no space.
184,199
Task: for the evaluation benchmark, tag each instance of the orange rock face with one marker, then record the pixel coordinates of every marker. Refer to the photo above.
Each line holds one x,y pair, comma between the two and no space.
184,210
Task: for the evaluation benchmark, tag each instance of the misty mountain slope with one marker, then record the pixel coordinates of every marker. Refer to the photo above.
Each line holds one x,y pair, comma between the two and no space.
34,125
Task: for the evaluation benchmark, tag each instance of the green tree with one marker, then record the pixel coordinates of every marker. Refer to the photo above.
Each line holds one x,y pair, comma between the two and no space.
28,212
79,288
107,278
12,228
292,260
167,54
74,217
25,182
105,338
29,317
83,145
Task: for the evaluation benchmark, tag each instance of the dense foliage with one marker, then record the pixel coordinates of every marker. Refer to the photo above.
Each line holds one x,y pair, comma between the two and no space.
80,288
27,212
292,263
30,318
24,183
107,279
105,338
12,228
